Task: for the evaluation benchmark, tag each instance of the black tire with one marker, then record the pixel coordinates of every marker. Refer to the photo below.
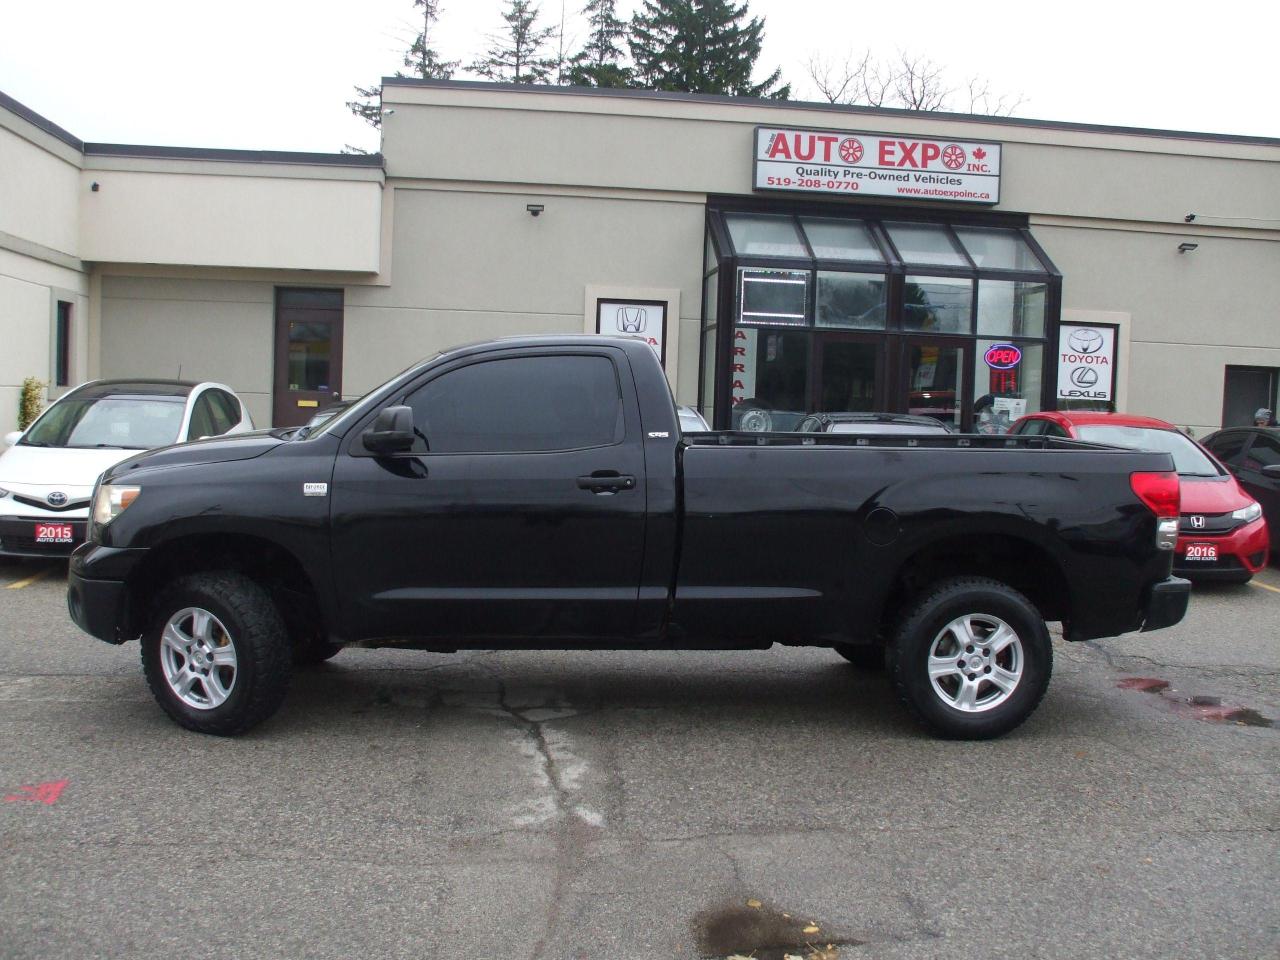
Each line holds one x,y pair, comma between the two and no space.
869,657
256,631
925,622
316,651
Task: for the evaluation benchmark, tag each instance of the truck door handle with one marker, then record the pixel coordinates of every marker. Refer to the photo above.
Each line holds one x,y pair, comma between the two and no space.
606,481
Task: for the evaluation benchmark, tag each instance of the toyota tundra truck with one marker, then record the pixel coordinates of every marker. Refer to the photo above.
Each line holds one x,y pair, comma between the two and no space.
537,493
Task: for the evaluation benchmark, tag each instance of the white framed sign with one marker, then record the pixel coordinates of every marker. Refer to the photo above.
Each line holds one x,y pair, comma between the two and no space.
1087,361
859,164
637,318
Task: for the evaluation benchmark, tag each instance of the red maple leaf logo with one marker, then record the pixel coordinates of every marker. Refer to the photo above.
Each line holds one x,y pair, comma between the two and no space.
979,154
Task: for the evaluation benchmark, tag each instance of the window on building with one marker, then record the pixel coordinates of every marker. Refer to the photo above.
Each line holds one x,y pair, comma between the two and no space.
858,313
520,405
62,345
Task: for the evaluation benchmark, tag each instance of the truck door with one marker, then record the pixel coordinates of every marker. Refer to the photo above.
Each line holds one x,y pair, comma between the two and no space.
519,512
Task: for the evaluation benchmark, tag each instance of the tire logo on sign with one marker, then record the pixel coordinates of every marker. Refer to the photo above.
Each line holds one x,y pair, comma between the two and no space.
953,156
56,499
1085,341
851,150
1084,377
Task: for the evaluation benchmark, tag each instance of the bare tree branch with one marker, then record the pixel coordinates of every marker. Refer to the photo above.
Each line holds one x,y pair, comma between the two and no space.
906,81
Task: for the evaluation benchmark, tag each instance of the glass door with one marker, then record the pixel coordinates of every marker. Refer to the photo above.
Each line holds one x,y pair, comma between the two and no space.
931,382
850,373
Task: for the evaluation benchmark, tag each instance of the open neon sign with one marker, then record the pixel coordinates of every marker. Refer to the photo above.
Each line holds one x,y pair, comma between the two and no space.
1003,356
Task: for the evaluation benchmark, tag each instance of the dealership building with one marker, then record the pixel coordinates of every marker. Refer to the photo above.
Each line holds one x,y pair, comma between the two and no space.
782,258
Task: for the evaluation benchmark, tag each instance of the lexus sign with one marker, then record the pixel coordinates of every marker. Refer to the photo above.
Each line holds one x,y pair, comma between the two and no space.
876,165
1086,362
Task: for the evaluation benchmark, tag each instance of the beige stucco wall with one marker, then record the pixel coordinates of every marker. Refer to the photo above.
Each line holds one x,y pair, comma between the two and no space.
39,262
469,264
197,329
1190,314
207,219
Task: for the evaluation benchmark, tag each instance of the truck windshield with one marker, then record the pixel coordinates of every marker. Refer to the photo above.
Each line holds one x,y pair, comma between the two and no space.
127,422
1188,459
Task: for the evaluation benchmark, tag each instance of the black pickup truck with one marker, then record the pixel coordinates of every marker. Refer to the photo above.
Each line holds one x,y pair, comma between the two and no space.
538,493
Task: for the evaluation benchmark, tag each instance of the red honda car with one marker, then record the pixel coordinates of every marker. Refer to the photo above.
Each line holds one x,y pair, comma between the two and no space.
1221,534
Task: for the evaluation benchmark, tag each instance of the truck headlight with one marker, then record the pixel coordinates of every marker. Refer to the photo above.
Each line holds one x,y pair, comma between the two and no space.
1248,514
111,500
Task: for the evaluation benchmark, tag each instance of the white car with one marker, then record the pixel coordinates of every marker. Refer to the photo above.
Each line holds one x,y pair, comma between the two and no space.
47,473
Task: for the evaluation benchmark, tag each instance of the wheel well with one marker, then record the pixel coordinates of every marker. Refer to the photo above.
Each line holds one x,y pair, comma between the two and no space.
264,562
1023,565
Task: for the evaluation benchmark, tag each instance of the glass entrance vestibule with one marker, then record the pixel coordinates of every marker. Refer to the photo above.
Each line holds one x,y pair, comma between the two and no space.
813,312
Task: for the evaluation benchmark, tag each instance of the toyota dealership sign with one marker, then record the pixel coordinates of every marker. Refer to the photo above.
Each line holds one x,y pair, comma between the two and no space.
1086,362
876,165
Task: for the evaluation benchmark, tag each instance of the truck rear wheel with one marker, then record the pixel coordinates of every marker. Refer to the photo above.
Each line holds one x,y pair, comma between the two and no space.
216,654
971,659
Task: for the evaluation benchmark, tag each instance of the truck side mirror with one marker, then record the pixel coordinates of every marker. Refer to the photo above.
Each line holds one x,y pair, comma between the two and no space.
392,431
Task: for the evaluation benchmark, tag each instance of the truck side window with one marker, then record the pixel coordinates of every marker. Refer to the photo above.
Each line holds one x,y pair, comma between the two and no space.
520,405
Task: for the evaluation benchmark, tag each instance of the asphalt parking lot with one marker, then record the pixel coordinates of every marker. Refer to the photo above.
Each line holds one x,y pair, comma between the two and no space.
637,805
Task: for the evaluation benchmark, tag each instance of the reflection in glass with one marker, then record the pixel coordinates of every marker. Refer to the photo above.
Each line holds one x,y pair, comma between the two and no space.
770,380
309,347
937,304
925,243
848,372
758,235
1011,308
840,240
850,300
709,367
998,249
934,387
1001,396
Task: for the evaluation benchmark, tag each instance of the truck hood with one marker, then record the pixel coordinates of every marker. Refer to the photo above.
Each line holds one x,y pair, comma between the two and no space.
1212,495
244,446
60,467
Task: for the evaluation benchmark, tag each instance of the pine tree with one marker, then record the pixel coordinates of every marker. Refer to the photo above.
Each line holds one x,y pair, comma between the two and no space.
700,46
421,58
515,56
599,63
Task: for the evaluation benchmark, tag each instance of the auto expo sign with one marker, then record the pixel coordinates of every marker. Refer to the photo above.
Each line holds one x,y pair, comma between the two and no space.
1086,362
876,165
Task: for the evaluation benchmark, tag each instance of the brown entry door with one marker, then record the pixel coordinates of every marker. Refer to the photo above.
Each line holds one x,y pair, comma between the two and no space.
308,375
933,381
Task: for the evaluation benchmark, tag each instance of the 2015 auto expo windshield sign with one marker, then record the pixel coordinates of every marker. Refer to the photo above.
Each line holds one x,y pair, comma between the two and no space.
876,165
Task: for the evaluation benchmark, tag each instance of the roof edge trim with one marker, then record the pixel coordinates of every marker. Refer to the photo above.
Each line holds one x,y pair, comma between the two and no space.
628,93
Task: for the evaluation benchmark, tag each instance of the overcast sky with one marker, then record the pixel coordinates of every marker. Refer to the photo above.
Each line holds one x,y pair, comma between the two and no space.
274,74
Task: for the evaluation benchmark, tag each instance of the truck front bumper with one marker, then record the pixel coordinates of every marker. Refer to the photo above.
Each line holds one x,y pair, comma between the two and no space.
97,592
1167,604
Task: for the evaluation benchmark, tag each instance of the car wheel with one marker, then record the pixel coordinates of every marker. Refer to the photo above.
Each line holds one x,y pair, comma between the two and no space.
216,654
862,656
971,659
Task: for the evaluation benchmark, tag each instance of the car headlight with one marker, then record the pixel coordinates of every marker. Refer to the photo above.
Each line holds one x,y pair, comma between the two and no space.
1248,514
111,500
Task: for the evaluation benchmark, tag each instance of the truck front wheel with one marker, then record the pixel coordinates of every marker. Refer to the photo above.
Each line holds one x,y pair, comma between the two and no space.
216,654
971,658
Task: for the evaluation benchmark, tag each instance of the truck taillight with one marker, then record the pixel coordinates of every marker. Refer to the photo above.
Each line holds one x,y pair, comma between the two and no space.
1162,495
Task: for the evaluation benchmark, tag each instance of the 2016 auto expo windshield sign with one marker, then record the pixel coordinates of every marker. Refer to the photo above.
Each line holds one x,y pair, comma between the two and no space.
876,165
1086,362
